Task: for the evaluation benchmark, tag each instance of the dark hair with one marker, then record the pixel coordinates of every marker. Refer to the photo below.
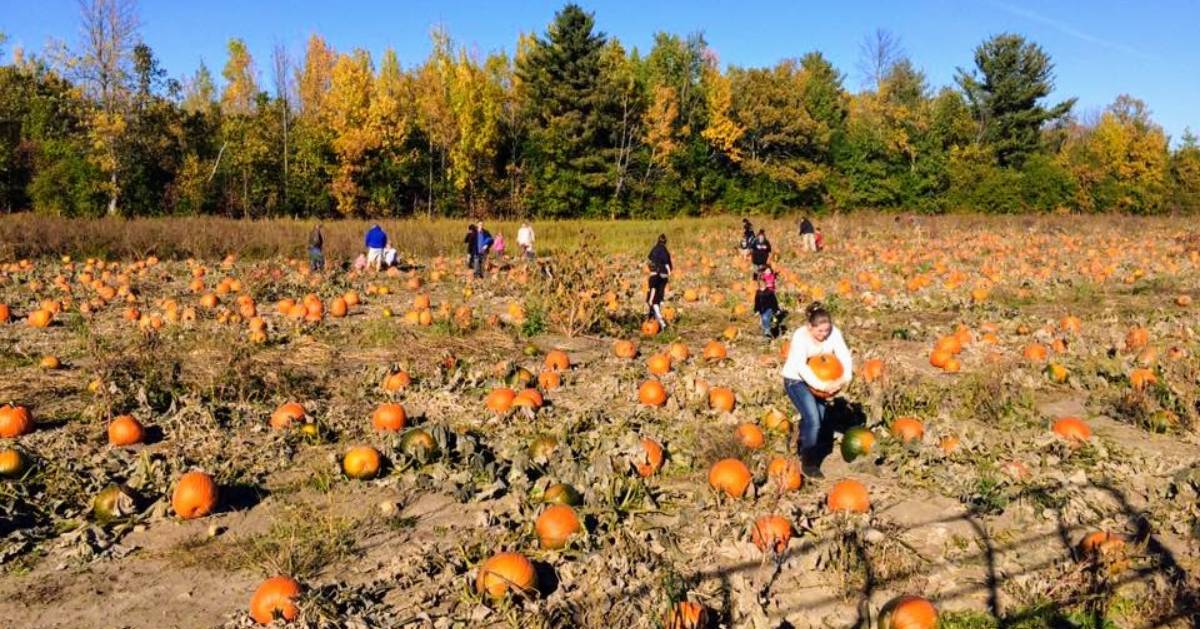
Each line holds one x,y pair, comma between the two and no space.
762,231
815,312
662,239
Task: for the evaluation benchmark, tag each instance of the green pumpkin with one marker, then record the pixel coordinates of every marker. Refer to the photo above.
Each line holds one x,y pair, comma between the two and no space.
856,442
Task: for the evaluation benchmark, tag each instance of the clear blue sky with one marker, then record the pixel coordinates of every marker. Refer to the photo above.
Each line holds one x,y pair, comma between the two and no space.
1102,48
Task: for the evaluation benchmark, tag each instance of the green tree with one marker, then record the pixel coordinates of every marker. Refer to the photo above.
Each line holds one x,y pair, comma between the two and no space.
1005,90
1185,174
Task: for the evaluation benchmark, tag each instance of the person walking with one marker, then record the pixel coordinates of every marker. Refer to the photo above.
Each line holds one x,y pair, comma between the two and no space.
376,240
472,242
525,238
660,272
807,392
483,241
808,235
766,304
747,243
316,249
761,253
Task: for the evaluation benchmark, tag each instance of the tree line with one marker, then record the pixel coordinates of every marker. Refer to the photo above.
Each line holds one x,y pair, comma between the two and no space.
571,124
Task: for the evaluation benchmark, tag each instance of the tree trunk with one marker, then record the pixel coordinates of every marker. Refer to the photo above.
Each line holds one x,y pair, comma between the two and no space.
112,195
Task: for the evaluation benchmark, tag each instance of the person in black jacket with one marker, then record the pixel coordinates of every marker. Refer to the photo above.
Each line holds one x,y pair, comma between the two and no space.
747,237
761,253
808,236
660,270
470,240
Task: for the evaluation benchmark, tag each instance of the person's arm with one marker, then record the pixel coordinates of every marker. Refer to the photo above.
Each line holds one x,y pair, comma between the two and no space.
798,356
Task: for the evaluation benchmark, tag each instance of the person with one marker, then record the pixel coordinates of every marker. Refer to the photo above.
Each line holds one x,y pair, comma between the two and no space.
761,252
819,336
525,239
818,241
498,245
660,271
316,249
375,240
807,235
471,241
483,241
766,304
747,237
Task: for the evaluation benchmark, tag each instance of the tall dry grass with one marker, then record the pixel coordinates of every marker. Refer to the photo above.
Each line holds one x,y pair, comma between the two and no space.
27,235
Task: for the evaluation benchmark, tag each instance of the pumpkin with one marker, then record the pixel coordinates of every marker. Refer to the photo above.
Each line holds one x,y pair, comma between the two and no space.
338,308
114,501
13,463
40,318
950,343
557,360
396,381
286,415
686,614
948,444
549,379
730,476
1099,544
857,442
1073,429
556,525
679,352
849,496
721,399
5,313
908,612
652,393
562,494
389,418
872,370
361,462
828,369
275,598
771,533
652,458
650,327
659,364
940,358
714,351
125,431
1136,338
1070,324
500,400
775,421
1141,378
624,349
1035,353
195,495
506,572
785,473
15,421
418,444
749,435
529,398
908,429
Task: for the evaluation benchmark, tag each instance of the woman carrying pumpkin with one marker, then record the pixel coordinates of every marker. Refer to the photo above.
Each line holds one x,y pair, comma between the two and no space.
818,366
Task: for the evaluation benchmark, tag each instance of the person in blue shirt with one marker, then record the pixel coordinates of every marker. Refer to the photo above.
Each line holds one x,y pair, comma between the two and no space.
483,242
376,241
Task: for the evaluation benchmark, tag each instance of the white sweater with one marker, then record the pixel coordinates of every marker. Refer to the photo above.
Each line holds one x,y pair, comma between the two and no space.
525,237
804,346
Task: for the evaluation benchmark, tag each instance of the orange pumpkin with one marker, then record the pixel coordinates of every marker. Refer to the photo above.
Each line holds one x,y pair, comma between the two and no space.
908,612
275,598
624,349
828,369
687,615
40,318
361,462
1136,338
771,533
557,360
750,435
125,431
714,351
15,421
785,473
652,393
389,418
679,352
650,327
195,495
908,429
848,496
556,525
1035,353
506,572
652,458
721,399
287,414
500,400
1141,378
659,364
872,370
1073,429
730,476
396,381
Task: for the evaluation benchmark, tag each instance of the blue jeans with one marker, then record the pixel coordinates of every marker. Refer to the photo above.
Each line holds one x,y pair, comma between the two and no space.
316,259
768,317
812,412
480,263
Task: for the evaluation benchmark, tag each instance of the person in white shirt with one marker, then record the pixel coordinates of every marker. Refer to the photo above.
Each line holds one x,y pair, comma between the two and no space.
525,240
807,392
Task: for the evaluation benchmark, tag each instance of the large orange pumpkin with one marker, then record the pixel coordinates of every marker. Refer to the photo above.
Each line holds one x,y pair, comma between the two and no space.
659,364
785,472
275,598
652,458
750,435
714,351
506,572
396,381
771,533
652,393
872,370
286,415
908,429
556,525
40,318
827,368
361,462
500,400
125,431
1035,353
1073,429
15,421
557,360
624,349
195,495
389,418
848,496
679,352
730,476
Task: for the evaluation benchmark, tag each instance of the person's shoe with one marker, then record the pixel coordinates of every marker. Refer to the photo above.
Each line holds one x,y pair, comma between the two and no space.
812,470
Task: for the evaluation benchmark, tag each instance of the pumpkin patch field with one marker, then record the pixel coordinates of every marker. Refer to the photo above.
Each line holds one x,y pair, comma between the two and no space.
237,441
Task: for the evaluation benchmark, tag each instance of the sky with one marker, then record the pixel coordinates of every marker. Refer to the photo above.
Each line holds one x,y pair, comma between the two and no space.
1101,48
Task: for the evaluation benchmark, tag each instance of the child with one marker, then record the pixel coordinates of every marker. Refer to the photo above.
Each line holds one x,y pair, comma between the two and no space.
765,302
